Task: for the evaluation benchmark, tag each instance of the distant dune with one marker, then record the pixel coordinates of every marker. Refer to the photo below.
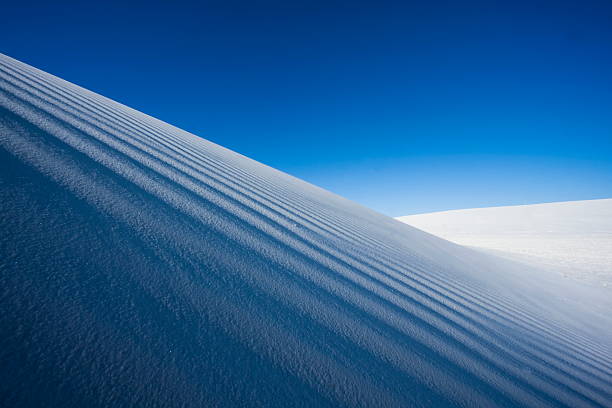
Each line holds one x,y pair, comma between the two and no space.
143,266
573,238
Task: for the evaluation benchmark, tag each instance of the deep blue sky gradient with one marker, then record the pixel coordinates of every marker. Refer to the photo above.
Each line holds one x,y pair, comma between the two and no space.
402,107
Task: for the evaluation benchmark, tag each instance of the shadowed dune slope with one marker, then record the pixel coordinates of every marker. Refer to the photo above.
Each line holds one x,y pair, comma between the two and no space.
144,266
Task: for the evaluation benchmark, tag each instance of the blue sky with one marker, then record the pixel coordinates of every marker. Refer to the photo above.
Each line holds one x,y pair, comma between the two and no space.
404,107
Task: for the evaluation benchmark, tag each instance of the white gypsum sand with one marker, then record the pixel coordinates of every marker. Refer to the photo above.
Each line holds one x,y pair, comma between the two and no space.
572,238
144,266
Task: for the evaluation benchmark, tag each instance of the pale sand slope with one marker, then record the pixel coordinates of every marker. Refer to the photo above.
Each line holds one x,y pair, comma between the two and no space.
143,266
573,238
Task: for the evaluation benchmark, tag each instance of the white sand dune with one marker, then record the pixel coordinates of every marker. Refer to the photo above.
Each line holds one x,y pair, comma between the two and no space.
573,238
144,266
